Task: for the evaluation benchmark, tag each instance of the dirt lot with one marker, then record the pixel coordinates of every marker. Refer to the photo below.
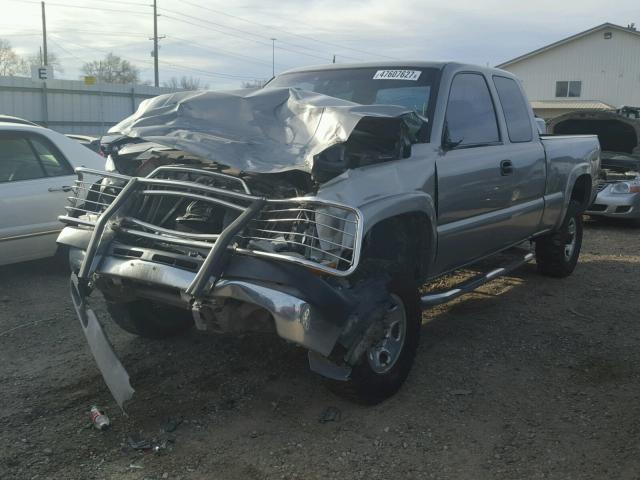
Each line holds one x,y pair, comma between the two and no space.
529,378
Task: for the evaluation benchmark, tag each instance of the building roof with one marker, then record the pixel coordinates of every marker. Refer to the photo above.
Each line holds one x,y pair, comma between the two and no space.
571,105
604,26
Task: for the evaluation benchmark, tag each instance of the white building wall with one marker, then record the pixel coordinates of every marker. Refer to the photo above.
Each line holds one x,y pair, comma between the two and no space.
609,69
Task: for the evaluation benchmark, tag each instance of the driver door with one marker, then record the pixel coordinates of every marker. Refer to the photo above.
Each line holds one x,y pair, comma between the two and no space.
475,184
35,179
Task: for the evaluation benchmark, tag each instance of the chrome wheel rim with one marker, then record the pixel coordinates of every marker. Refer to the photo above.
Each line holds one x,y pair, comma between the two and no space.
384,354
570,244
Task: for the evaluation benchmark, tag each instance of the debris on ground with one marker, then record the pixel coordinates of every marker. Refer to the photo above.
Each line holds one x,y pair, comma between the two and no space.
171,424
330,414
540,378
159,446
135,441
99,418
461,392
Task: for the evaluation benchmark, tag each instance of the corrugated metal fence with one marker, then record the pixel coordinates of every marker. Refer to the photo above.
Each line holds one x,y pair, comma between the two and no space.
71,106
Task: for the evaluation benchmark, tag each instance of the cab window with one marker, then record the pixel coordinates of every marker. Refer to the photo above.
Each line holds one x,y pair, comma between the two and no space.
471,117
516,111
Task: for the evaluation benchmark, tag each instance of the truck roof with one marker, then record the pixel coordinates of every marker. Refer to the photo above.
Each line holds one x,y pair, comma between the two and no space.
391,64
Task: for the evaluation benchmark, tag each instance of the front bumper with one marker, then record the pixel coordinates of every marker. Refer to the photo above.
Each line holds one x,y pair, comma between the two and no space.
210,273
298,316
305,309
615,205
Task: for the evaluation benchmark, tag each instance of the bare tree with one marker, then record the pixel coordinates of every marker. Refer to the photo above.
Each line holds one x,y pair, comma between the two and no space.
186,83
52,59
11,63
112,69
254,84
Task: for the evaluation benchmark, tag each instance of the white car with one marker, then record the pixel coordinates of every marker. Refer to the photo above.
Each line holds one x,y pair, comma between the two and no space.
36,177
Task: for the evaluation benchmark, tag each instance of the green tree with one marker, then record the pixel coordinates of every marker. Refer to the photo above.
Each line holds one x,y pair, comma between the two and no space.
112,69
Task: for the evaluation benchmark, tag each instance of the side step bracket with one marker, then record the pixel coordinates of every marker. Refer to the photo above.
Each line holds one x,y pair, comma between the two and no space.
473,283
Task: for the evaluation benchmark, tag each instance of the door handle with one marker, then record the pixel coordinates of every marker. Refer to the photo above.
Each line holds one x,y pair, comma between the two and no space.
63,188
506,167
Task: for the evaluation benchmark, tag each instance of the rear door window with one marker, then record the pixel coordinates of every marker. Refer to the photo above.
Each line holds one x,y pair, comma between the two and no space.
516,112
471,117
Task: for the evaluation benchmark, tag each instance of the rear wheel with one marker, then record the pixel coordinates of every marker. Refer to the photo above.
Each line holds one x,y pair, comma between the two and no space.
384,366
557,253
148,319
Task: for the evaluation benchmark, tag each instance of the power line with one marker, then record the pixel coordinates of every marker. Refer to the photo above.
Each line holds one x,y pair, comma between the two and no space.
33,2
245,32
246,58
101,9
239,36
110,33
65,50
21,34
206,73
136,4
212,74
306,37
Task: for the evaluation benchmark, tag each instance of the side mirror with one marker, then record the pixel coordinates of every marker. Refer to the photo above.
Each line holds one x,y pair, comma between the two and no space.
447,143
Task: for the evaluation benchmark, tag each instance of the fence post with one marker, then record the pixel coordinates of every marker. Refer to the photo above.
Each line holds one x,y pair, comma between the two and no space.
45,105
102,110
133,99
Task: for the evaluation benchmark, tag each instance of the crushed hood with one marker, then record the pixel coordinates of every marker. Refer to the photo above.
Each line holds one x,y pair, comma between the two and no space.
264,131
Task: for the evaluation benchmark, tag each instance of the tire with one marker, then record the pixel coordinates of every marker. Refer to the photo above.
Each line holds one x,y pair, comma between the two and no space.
150,320
372,381
557,253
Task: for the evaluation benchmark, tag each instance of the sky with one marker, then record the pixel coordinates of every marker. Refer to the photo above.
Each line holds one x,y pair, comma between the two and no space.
224,43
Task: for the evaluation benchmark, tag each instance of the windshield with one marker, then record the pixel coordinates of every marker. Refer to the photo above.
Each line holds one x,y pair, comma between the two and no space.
405,86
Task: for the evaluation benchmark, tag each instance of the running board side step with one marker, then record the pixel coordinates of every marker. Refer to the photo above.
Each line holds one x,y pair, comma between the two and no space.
473,283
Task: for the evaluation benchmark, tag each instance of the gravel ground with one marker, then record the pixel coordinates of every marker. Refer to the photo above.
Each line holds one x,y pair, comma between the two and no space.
528,378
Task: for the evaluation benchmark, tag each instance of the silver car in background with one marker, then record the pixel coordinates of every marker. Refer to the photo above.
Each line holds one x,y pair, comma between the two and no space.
619,135
618,198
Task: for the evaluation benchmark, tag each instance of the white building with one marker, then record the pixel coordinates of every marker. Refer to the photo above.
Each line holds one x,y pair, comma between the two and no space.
595,69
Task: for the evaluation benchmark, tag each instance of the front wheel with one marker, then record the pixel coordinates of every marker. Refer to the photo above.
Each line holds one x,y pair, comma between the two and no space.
382,369
557,253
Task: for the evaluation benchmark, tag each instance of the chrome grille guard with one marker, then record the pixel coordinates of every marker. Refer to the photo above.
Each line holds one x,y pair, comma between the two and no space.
315,233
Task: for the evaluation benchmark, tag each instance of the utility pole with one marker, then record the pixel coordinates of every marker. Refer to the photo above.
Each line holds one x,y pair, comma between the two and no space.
44,36
155,43
273,57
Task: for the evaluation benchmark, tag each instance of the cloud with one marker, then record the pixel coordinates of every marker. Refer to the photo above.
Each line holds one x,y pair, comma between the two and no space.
223,42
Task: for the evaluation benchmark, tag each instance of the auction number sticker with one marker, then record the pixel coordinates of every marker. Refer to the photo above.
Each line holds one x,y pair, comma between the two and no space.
397,75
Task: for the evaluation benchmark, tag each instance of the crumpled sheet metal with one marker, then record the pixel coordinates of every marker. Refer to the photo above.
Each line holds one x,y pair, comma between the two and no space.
264,131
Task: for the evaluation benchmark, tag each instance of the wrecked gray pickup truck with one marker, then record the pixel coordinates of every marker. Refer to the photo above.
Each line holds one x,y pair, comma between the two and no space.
317,207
